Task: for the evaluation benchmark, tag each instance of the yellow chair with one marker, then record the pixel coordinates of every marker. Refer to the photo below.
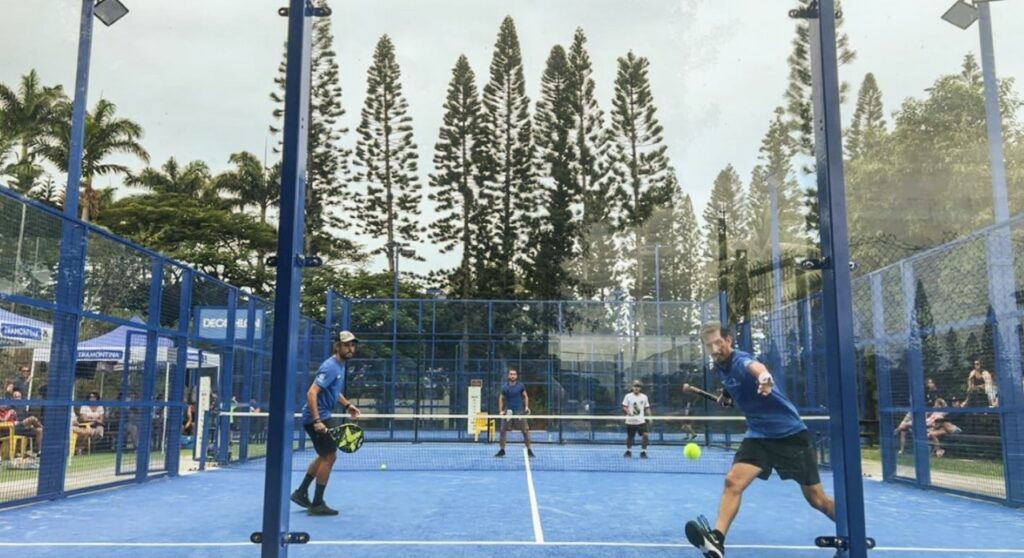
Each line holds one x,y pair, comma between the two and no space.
483,424
15,444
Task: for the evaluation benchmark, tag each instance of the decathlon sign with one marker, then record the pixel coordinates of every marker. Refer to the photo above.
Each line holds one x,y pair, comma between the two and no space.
213,323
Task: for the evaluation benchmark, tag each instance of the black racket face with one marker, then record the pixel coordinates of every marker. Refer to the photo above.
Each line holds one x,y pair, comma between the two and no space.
349,438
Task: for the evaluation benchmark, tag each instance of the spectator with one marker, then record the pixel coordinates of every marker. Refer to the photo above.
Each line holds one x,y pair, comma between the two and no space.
981,381
940,426
93,415
30,427
20,382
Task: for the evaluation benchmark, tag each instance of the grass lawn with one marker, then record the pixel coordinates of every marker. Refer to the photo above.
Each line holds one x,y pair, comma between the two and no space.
952,465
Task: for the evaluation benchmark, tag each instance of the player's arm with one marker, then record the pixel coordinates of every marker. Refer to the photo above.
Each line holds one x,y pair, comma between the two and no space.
314,411
760,372
352,409
625,407
526,401
501,403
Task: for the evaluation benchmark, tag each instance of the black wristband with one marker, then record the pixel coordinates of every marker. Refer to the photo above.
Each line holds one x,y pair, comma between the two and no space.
347,405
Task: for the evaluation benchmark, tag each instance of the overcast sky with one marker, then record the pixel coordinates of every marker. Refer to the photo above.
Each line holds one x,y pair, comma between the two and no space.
197,73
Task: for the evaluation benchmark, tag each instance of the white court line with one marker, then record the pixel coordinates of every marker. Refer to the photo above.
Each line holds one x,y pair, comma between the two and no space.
1011,551
538,532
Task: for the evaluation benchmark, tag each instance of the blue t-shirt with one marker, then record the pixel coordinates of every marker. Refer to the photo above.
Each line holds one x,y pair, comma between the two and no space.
331,379
773,416
514,396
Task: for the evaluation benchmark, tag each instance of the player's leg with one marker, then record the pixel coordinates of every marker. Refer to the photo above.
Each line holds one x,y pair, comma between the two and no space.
524,427
506,425
736,482
819,500
630,436
699,532
643,441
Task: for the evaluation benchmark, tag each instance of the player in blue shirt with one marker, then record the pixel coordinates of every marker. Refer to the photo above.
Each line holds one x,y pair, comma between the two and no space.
325,391
776,438
513,400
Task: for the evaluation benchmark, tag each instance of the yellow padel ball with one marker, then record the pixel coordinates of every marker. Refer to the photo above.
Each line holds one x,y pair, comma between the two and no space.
692,451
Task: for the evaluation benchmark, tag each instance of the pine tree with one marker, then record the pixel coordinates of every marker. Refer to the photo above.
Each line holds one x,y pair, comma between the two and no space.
773,173
726,203
799,105
457,181
327,165
507,123
590,146
868,126
386,158
554,234
639,176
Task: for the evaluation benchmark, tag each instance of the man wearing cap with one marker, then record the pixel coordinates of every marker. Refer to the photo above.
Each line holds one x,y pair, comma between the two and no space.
637,409
325,391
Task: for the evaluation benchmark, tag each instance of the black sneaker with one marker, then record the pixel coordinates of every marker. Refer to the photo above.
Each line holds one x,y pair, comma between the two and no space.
529,453
322,509
627,454
700,535
643,455
501,453
302,499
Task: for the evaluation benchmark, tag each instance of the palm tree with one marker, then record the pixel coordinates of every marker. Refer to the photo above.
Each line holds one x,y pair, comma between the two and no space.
251,184
193,180
105,135
25,115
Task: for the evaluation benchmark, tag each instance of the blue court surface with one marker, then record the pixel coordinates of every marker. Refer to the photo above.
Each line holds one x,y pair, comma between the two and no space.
494,513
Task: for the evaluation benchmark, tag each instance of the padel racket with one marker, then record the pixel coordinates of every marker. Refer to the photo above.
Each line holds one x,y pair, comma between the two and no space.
348,436
723,399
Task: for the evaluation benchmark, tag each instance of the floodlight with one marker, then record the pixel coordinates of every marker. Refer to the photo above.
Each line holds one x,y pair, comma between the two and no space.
961,14
109,11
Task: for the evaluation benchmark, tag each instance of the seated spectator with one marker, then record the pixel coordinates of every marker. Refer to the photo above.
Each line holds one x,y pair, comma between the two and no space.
939,426
30,427
93,415
906,425
80,432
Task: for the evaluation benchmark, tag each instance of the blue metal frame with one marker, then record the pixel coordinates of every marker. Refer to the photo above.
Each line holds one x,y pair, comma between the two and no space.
289,279
149,370
249,365
177,394
227,375
837,293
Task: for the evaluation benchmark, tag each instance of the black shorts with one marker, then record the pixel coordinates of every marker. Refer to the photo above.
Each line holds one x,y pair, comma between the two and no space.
793,457
634,429
323,443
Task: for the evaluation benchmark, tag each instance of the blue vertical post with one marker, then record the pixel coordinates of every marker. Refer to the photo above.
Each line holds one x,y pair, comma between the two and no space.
659,368
227,380
329,322
915,371
393,383
837,292
882,378
247,377
276,511
176,397
723,308
346,315
70,284
149,368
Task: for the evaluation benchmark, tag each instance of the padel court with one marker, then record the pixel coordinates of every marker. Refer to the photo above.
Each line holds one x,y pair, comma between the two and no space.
514,511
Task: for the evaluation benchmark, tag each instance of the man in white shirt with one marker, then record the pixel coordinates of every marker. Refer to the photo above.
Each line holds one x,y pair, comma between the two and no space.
637,409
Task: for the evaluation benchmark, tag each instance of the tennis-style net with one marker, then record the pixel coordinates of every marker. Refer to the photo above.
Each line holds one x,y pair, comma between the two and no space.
461,443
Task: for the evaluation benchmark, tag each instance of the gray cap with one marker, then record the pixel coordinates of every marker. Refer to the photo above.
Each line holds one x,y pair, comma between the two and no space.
638,383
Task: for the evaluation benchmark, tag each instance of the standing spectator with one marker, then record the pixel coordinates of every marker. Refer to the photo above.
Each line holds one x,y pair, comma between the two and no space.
21,381
980,381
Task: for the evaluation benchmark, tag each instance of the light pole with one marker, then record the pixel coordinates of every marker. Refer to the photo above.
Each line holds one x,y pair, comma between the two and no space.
434,293
397,251
963,14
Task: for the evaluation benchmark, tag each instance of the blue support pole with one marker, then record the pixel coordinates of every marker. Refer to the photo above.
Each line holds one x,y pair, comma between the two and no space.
149,371
723,308
885,416
329,322
247,378
393,383
276,513
915,371
176,397
70,284
227,380
346,315
837,292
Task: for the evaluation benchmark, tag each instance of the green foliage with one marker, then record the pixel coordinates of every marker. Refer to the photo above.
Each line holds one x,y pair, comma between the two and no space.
386,158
